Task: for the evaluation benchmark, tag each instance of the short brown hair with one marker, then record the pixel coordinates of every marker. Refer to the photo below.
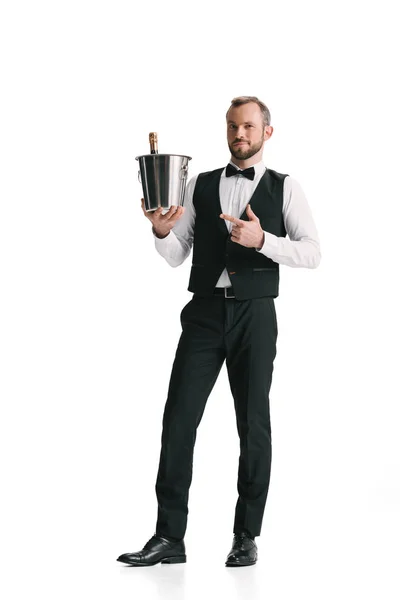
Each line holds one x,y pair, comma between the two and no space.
266,115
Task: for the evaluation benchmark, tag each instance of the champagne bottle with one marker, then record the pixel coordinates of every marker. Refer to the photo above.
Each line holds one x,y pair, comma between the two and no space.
153,143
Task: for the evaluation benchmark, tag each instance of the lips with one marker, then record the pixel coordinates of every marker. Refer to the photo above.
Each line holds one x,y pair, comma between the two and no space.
240,144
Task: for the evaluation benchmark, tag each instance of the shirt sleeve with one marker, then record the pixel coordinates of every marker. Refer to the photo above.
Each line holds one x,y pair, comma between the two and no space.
176,246
302,249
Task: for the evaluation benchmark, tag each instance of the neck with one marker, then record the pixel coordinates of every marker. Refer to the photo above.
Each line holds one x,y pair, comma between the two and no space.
248,162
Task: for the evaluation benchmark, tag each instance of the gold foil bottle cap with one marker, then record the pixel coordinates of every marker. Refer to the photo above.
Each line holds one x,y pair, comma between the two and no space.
153,139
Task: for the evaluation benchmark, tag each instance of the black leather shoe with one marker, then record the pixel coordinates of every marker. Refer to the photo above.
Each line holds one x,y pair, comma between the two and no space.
243,552
158,549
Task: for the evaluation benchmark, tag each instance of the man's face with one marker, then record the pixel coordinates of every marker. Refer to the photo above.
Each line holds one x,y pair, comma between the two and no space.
246,131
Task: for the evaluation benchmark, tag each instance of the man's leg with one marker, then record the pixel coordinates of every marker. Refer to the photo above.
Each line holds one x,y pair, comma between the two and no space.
198,361
251,349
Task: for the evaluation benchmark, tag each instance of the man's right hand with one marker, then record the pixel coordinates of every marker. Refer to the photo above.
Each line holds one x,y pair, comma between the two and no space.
162,224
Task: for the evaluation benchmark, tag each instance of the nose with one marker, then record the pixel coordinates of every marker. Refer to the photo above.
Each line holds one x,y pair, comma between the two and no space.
240,133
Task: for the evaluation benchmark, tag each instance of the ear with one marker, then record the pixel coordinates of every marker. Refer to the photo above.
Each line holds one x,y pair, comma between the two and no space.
268,131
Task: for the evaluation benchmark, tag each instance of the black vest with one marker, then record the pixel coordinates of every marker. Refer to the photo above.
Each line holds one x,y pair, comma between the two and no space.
252,274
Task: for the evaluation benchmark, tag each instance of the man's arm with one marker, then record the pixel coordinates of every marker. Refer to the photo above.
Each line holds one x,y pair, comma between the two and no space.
302,249
176,245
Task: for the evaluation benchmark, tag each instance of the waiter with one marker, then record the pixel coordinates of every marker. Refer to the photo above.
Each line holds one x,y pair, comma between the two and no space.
237,219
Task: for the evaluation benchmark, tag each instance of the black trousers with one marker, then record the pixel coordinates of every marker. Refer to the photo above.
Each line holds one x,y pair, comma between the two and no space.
244,334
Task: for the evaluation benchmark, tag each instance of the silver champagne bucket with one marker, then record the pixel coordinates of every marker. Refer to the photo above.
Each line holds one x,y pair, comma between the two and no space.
163,178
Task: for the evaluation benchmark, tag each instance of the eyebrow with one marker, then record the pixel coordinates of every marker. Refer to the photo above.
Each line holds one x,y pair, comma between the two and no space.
246,123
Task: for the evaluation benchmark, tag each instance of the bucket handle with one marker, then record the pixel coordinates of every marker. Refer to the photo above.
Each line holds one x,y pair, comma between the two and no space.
183,173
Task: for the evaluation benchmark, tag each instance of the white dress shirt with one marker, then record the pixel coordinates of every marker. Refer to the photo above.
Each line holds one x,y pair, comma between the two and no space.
302,249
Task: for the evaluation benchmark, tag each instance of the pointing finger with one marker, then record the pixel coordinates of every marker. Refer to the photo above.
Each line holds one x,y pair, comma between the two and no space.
234,220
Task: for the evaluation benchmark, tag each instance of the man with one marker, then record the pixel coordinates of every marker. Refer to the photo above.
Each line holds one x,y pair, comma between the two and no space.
237,249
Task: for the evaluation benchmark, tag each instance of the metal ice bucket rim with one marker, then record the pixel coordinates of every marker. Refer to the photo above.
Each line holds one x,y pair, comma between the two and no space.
154,155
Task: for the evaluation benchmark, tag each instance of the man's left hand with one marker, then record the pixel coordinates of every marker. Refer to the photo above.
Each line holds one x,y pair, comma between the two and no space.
247,233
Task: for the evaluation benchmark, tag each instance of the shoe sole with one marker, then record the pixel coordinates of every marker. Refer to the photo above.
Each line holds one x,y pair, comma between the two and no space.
170,560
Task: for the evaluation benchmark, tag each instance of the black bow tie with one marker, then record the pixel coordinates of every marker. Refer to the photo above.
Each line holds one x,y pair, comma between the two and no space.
249,173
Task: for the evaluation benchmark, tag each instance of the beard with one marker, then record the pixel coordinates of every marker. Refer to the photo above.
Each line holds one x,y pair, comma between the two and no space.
242,153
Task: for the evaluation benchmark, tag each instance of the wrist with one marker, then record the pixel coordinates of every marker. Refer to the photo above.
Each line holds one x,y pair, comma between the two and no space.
261,242
159,235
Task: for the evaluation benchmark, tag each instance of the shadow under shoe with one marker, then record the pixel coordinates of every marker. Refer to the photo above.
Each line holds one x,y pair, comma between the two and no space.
243,552
157,549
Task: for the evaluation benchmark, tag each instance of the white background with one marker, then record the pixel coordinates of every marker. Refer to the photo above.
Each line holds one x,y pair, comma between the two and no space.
90,311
